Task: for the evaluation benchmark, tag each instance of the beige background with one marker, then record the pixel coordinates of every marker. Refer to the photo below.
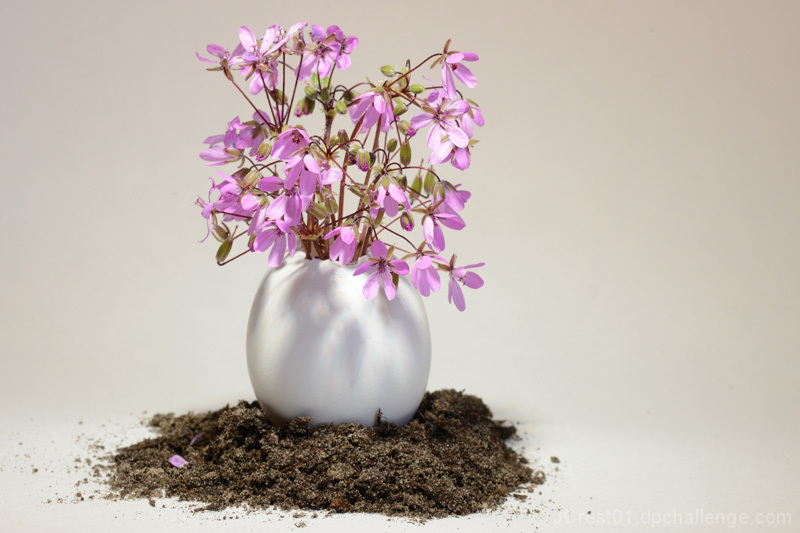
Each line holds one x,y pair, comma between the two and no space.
636,195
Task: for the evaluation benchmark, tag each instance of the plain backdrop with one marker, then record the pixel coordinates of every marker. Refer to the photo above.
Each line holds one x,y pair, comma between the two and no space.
635,199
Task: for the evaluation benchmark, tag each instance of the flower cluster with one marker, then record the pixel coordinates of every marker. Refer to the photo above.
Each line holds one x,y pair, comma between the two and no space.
289,188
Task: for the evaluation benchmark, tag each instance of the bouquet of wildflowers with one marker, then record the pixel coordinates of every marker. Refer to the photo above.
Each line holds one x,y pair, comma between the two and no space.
350,191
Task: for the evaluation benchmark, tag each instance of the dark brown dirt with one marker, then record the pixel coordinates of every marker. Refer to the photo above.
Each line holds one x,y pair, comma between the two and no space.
451,459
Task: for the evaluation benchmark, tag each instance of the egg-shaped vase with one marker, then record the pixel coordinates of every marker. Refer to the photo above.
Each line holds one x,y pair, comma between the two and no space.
317,348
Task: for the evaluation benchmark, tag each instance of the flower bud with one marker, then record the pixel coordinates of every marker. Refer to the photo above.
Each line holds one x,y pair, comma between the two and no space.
331,206
252,177
416,185
417,88
310,92
392,145
223,250
340,107
405,154
399,109
362,159
388,71
279,96
221,232
318,210
430,180
263,150
325,94
343,136
407,221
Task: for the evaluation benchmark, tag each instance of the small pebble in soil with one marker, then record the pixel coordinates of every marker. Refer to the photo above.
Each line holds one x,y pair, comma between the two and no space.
451,459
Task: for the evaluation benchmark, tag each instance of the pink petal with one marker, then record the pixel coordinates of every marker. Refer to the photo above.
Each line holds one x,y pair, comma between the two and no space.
247,38
278,251
371,287
399,267
378,249
465,75
388,285
458,137
473,281
461,159
177,461
367,265
420,121
264,240
455,295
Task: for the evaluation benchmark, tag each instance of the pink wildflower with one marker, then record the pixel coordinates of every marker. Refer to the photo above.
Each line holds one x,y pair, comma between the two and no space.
344,247
459,276
382,269
452,65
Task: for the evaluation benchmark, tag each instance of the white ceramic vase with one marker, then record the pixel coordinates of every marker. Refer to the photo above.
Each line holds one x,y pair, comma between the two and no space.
317,348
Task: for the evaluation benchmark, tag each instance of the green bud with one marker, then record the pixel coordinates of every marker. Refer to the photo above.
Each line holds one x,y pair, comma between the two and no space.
392,145
388,71
279,96
223,250
221,232
340,107
399,109
430,180
310,92
405,154
378,219
362,158
325,94
264,149
315,80
417,88
404,127
350,95
330,113
252,177
318,210
416,185
331,205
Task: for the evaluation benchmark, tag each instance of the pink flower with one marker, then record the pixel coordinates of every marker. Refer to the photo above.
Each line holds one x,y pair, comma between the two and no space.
443,115
459,276
425,276
452,65
433,234
371,106
454,199
289,206
275,234
447,151
327,52
289,142
382,269
344,247
389,197
223,56
258,60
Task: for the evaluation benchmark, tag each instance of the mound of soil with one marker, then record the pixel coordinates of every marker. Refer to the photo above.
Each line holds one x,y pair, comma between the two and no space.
451,459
